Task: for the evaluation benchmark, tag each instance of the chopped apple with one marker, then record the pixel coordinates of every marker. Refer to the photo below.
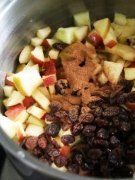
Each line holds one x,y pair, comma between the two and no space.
47,43
34,130
97,70
20,131
52,89
27,81
49,80
102,26
110,39
28,101
122,61
129,73
36,41
9,79
44,91
122,50
80,33
41,100
130,22
82,19
8,90
15,98
20,67
65,150
63,168
22,116
44,32
36,121
25,54
94,37
36,111
120,19
8,126
49,68
53,53
112,71
30,63
113,57
102,79
37,56
127,63
14,111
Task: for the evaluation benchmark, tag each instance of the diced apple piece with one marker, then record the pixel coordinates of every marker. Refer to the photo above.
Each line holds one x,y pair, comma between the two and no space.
34,120
15,98
110,39
120,19
53,53
49,80
41,100
36,41
65,151
36,111
36,67
123,31
49,68
44,32
28,101
27,81
112,71
102,26
113,57
37,56
9,79
20,67
97,70
127,63
80,33
34,130
129,73
20,131
121,61
94,37
82,19
30,63
63,169
25,54
8,126
22,116
102,79
130,22
66,35
44,91
8,90
14,111
52,89
122,50
47,43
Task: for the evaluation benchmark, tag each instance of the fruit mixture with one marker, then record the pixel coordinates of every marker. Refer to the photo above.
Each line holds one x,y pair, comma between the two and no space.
71,100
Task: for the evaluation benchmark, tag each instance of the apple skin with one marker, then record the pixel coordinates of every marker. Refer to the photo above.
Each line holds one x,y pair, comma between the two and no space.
7,81
37,61
132,65
14,111
49,68
95,38
28,101
49,80
111,43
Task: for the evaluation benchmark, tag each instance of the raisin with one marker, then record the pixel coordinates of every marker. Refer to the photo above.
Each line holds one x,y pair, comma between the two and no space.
98,111
114,141
111,111
115,91
22,143
115,157
77,128
124,126
59,46
126,84
54,153
61,114
78,159
101,94
38,152
99,143
85,109
45,160
101,122
73,114
60,85
131,97
67,139
86,118
130,156
55,106
52,129
102,134
60,161
94,153
73,168
88,129
95,101
131,141
50,117
115,122
121,99
31,142
42,142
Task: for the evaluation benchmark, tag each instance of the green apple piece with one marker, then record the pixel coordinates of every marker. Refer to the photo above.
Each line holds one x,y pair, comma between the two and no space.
44,32
34,120
36,111
27,81
34,130
36,41
41,100
8,90
25,54
66,35
81,33
82,19
15,98
22,117
130,22
129,73
8,126
120,19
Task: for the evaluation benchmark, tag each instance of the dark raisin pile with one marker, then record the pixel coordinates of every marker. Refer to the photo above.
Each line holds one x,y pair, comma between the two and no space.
106,130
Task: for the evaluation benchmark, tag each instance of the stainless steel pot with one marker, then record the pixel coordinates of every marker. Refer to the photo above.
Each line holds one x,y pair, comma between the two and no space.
19,20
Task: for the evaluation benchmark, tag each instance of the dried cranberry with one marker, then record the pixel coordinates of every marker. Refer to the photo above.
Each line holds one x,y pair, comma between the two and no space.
67,139
52,129
86,118
60,161
31,142
102,134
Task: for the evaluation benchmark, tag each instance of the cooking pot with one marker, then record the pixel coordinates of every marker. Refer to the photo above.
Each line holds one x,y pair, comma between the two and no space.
19,20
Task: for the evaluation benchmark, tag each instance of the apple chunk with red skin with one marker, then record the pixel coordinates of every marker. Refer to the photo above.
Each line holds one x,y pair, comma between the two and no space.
49,80
110,39
37,56
94,37
28,101
49,68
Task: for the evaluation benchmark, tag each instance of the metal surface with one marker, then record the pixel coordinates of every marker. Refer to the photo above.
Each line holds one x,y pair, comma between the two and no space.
19,20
